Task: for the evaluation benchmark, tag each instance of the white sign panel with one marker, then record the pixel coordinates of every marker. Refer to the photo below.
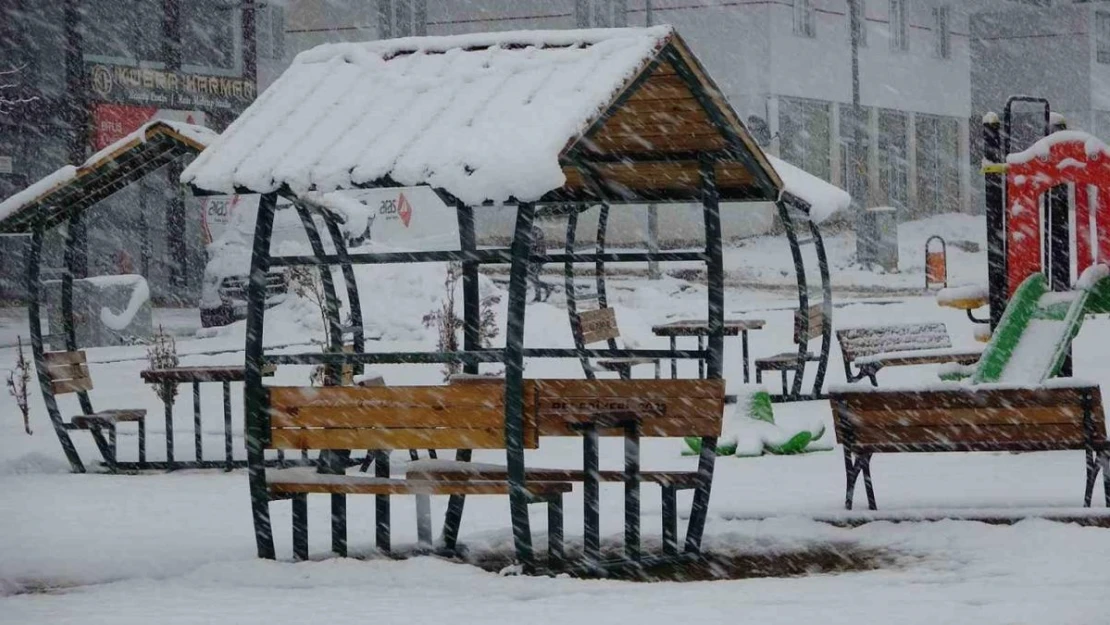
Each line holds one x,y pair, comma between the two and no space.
5,164
409,219
216,212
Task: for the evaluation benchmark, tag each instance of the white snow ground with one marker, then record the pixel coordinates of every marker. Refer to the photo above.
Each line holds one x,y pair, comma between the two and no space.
178,548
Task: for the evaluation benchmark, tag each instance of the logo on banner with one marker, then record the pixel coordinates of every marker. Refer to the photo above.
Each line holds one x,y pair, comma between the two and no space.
404,209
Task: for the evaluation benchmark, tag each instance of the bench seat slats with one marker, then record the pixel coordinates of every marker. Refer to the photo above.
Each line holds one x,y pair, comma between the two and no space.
391,438
966,417
291,481
940,437
453,470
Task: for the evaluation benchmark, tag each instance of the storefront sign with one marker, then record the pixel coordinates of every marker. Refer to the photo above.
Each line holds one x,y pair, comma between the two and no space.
169,89
115,121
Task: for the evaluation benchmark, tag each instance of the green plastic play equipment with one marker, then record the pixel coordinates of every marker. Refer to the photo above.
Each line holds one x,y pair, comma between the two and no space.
754,420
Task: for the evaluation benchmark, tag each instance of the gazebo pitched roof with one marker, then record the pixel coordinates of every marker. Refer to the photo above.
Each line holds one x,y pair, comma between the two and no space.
618,114
73,189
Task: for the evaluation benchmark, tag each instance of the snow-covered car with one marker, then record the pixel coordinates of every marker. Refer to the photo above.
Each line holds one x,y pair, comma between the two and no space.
229,224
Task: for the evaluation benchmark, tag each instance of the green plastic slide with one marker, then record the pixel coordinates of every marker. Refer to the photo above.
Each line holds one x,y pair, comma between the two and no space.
1035,333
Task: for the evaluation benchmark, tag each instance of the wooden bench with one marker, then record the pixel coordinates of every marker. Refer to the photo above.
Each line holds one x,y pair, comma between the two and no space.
788,361
385,418
969,419
870,349
68,372
601,325
590,409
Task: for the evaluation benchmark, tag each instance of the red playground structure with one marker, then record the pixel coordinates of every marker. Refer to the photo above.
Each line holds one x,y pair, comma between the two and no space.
1032,197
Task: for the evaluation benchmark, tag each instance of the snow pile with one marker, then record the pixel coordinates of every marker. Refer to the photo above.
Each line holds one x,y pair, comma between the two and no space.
43,186
354,214
459,113
1091,276
198,134
823,198
1093,146
972,292
140,295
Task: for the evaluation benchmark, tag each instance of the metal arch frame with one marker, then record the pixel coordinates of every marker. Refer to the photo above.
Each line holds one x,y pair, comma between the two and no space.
788,204
511,356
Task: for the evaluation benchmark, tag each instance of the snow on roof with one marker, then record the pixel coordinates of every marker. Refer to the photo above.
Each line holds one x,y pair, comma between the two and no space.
483,116
823,198
198,135
1093,146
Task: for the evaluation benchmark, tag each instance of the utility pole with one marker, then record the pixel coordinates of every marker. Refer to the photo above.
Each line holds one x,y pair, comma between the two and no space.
76,114
856,155
653,209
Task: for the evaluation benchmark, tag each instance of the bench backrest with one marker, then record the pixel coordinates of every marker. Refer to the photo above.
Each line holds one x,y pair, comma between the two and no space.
667,408
969,419
598,325
859,342
68,372
816,316
461,416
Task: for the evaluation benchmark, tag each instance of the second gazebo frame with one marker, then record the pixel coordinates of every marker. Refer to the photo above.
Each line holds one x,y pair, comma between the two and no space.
622,116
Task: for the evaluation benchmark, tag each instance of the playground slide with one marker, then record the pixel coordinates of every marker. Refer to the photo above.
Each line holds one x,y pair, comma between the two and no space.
1032,339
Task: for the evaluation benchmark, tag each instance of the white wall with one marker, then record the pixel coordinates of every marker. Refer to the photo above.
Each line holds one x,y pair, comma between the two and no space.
914,80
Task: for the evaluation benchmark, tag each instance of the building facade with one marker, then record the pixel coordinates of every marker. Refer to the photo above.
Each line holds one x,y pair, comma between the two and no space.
84,73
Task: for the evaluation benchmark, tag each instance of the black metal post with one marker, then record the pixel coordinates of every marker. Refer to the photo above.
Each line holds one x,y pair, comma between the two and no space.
198,442
572,293
994,200
255,409
715,281
71,256
229,453
472,341
786,207
826,308
632,491
591,497
599,264
514,383
38,352
1059,247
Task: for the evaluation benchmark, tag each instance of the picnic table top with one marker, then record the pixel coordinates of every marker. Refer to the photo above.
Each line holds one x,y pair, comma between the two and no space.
700,327
200,373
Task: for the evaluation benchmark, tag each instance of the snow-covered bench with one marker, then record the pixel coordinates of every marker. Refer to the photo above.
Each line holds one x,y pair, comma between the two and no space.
604,408
950,417
384,418
870,349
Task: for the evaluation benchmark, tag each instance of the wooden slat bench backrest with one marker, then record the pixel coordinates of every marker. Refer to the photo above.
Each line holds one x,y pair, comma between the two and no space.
668,408
816,315
859,342
969,420
461,416
68,372
598,325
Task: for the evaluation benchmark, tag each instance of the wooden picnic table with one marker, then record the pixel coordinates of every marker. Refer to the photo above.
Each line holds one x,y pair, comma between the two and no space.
195,375
700,329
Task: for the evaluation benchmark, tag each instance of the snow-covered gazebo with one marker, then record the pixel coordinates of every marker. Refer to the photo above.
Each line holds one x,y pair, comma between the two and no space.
62,197
609,116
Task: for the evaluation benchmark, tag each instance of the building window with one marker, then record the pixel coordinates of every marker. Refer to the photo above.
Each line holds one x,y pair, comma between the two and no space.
893,160
938,165
860,26
1102,37
402,18
130,41
210,34
854,162
270,37
805,135
897,16
805,19
601,13
943,34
